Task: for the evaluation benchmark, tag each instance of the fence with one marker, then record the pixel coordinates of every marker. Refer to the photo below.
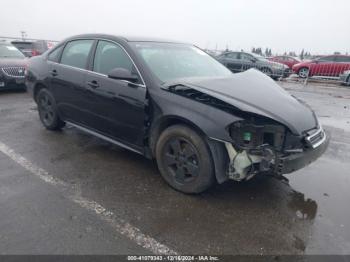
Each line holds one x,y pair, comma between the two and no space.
334,69
327,70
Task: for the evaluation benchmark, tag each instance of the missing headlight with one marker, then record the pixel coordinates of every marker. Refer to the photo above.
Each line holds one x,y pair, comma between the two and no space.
250,135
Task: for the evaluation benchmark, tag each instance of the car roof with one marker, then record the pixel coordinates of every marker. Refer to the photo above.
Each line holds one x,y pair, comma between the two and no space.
125,38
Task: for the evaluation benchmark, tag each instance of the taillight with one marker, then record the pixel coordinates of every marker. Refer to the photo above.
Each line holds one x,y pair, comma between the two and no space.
35,52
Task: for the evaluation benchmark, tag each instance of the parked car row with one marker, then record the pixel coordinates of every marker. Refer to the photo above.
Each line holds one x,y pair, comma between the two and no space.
326,66
242,61
332,66
33,48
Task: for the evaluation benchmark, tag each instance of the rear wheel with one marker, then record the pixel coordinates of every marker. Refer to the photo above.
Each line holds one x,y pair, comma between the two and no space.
184,160
48,110
303,72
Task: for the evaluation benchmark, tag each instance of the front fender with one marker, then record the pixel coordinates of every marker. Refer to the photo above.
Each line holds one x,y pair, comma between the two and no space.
212,122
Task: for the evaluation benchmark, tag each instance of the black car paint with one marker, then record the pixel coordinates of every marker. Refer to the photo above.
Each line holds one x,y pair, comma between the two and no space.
147,109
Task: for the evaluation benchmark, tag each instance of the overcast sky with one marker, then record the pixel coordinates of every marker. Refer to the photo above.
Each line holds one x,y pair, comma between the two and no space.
319,26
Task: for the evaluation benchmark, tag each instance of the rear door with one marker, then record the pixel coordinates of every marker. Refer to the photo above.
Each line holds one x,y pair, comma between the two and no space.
68,79
234,62
248,61
115,107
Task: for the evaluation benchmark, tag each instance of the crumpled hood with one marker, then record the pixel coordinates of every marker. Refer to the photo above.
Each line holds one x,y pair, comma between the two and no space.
253,91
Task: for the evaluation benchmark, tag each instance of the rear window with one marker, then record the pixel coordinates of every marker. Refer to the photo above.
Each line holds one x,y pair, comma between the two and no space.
10,51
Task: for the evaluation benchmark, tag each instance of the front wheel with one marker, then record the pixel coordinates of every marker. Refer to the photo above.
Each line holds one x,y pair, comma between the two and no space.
184,160
48,110
303,72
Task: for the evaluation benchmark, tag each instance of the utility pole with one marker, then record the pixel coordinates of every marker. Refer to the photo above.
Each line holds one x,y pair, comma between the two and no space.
24,35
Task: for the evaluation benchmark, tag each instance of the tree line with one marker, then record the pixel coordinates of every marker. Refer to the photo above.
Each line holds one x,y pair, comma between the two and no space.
268,52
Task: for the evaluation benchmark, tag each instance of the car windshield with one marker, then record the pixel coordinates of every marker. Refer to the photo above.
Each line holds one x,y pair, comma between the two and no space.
170,61
9,51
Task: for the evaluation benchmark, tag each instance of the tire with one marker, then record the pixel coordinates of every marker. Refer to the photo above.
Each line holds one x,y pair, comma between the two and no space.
48,110
184,160
303,72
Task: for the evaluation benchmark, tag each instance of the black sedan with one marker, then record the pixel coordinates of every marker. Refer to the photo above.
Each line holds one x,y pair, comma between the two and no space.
12,67
241,61
175,103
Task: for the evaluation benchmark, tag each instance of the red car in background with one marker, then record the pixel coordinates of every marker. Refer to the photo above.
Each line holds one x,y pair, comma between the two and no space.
328,66
286,60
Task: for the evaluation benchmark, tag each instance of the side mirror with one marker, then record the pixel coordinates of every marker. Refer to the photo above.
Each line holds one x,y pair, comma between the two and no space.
122,74
254,60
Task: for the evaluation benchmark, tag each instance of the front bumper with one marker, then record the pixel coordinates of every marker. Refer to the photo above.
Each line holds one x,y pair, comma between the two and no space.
281,72
287,72
11,83
293,162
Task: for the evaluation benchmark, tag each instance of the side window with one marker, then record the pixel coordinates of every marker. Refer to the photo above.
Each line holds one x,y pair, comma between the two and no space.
54,56
327,59
247,57
76,53
109,56
344,59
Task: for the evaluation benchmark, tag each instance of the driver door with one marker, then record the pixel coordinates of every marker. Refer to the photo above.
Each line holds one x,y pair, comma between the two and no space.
233,62
248,61
116,107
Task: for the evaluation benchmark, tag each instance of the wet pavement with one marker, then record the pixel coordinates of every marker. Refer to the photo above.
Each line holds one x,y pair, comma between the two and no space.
309,214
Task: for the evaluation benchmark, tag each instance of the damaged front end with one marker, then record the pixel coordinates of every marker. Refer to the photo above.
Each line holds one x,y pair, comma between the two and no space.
264,146
272,132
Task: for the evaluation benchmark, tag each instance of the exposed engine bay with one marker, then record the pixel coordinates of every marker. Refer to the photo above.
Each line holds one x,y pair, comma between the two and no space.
255,148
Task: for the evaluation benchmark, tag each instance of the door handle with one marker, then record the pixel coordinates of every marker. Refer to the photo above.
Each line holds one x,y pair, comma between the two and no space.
54,72
93,84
